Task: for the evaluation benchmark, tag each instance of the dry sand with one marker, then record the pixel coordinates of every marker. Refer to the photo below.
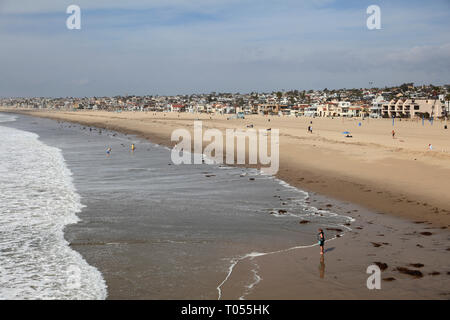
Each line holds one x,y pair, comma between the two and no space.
401,190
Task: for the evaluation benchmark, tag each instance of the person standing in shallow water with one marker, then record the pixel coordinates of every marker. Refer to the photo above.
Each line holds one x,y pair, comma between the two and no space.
321,239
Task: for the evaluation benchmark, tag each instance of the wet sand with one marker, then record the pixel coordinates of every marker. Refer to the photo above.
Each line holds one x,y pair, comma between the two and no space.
389,242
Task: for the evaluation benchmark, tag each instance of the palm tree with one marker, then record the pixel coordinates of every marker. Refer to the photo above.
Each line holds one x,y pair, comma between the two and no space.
279,95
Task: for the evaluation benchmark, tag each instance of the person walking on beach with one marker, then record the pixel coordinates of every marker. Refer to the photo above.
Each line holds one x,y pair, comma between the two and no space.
321,239
393,134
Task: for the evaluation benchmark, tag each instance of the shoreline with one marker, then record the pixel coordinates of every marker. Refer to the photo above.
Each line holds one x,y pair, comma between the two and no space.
355,186
373,238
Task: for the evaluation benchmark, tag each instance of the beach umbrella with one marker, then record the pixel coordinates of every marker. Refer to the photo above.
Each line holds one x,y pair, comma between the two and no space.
345,132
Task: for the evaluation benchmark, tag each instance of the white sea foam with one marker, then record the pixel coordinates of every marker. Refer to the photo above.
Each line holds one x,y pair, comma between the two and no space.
38,199
7,117
235,261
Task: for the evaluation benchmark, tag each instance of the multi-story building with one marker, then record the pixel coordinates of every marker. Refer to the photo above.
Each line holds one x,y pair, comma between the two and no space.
411,108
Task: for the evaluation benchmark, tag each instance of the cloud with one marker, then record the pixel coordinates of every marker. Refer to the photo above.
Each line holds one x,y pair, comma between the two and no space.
175,46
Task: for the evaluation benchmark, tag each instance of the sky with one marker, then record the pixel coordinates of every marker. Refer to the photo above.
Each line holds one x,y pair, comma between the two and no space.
169,47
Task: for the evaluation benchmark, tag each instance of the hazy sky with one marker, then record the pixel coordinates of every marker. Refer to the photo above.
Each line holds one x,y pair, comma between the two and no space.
198,46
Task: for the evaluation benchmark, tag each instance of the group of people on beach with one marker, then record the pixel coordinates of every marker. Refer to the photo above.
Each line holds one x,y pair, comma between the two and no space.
109,150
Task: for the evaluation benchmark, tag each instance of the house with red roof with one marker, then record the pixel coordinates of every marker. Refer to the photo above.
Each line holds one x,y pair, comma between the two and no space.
178,108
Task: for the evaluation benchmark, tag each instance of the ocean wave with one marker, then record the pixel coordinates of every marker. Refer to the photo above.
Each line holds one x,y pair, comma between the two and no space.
7,117
38,199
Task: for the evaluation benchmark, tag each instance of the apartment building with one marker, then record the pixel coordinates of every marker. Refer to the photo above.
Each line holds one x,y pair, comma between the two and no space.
411,108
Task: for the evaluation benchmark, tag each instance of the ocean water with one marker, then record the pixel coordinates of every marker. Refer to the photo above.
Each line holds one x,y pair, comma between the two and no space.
38,200
152,229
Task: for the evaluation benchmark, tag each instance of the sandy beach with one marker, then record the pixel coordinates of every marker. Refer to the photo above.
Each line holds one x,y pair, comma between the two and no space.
395,189
398,176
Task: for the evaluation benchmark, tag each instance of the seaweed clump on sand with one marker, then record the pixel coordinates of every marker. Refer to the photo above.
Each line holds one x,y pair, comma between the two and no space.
389,279
414,273
383,266
416,265
376,245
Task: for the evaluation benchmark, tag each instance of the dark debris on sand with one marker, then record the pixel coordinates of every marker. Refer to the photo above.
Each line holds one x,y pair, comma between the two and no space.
376,245
414,273
389,279
383,266
417,265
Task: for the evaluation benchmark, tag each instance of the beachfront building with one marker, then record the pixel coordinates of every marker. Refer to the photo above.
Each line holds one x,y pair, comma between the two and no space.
328,109
433,107
177,108
376,110
298,110
249,109
311,111
389,109
355,111
268,109
400,110
343,107
411,108
192,108
231,109
301,109
284,110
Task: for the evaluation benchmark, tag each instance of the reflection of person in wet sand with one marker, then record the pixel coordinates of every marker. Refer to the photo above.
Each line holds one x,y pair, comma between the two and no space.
322,267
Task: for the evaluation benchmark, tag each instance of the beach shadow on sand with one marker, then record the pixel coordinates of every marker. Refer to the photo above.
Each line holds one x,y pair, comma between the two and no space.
329,249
